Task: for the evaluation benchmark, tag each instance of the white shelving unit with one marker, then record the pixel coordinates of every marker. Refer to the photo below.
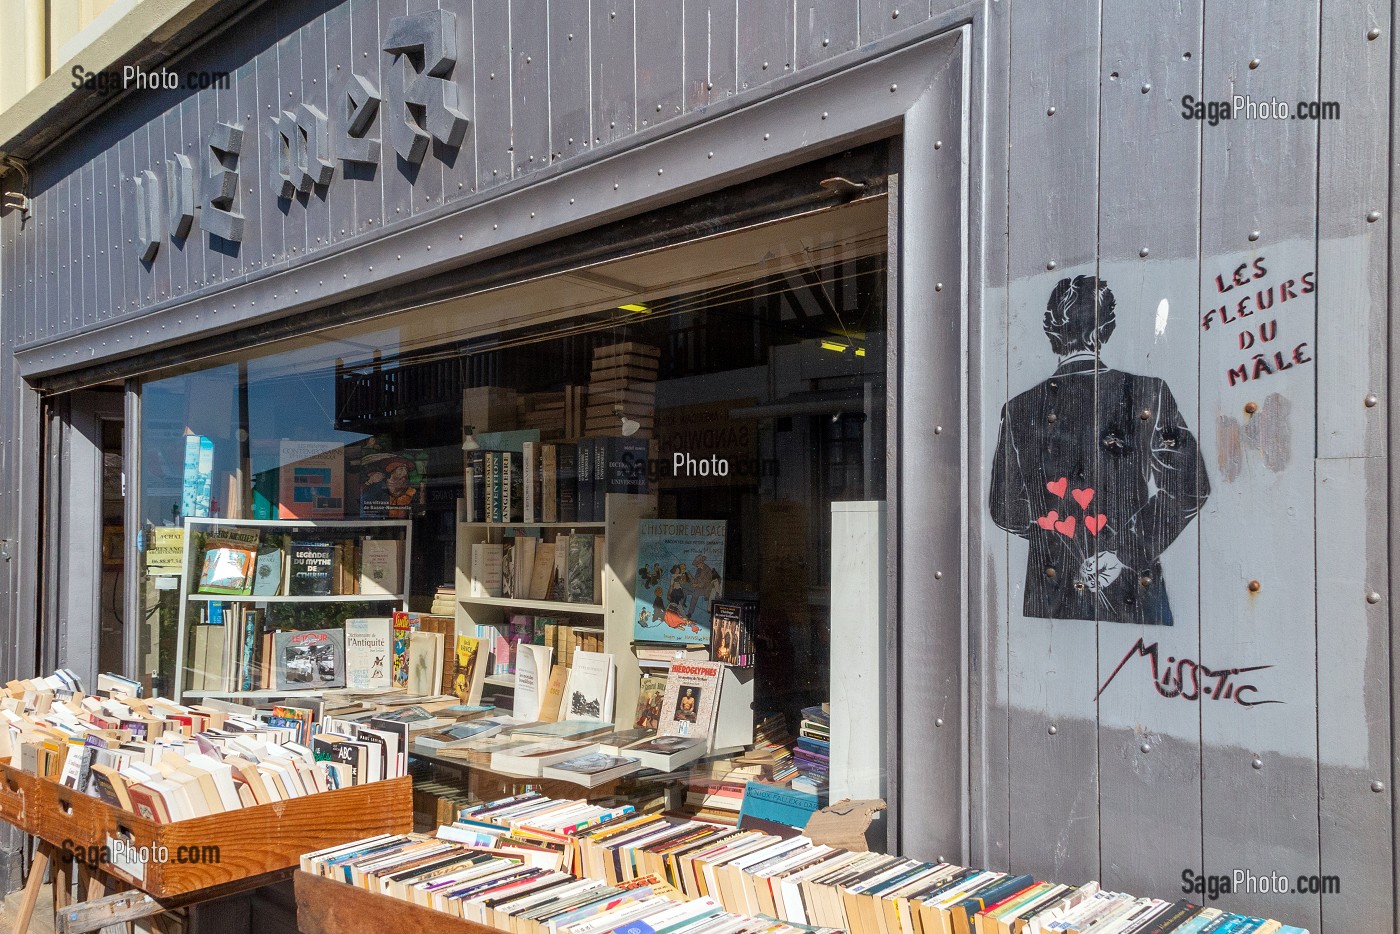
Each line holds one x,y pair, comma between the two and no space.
624,514
189,580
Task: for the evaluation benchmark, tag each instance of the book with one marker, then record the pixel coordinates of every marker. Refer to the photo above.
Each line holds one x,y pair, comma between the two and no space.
425,662
468,669
267,572
528,759
369,651
553,693
588,694
313,658
381,566
391,483
312,565
777,804
585,479
591,770
486,572
732,626
311,480
666,753
566,481
531,673
691,702
579,570
549,483
680,573
404,623
649,698
227,571
620,465
197,488
459,734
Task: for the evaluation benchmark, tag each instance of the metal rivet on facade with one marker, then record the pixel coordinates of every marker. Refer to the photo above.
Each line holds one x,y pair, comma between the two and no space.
893,88
938,144
459,237
1255,586
894,14
1253,235
765,137
765,66
1258,763
1050,111
571,200
938,429
938,721
1142,252
371,269
1373,598
1145,748
709,155
938,287
1053,729
1051,418
527,59
495,226
571,37
1145,414
1147,86
1378,787
1250,408
826,42
1253,64
614,186
1373,216
1051,265
612,15
709,85
938,575
1372,400
823,114
612,125
1049,572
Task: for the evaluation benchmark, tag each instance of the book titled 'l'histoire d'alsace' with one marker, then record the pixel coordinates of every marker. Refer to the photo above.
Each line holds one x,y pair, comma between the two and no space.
680,573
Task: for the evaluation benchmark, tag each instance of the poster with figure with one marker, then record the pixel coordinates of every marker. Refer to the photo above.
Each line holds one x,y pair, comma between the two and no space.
1097,469
680,573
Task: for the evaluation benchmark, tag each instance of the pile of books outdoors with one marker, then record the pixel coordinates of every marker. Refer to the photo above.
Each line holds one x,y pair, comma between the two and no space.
168,762
531,863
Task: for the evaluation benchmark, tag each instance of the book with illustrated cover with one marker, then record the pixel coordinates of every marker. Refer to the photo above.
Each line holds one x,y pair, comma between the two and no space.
680,573
369,652
312,480
390,483
197,491
468,669
732,628
579,572
267,573
227,571
313,658
592,770
404,623
691,701
649,703
312,569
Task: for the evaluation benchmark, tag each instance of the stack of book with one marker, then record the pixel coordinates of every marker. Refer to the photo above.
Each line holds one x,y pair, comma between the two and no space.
542,411
622,385
771,753
806,883
568,569
168,762
444,601
512,891
813,753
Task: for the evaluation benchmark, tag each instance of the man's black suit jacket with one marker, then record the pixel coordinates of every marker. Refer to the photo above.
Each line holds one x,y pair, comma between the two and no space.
1093,462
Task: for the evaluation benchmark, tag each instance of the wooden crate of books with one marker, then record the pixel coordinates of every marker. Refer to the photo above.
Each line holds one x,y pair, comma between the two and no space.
325,906
265,839
66,817
18,791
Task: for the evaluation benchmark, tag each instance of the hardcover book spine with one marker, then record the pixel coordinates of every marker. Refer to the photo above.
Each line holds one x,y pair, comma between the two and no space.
585,480
568,482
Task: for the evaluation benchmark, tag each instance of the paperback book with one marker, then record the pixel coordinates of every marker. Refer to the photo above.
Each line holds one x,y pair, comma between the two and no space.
314,658
680,573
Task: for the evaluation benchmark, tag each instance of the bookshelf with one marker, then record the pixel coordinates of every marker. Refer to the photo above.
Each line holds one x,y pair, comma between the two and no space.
192,603
624,512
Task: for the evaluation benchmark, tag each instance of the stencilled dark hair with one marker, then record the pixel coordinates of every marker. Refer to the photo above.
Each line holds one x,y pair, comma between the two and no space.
1079,315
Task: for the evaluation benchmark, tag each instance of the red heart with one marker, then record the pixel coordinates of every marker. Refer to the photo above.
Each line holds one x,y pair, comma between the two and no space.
1083,497
1058,487
1065,526
1094,523
1047,521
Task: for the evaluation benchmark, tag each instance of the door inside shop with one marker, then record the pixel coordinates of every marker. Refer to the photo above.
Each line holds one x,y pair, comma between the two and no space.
83,626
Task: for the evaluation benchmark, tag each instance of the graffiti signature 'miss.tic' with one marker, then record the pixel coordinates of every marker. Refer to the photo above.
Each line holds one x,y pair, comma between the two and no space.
1190,680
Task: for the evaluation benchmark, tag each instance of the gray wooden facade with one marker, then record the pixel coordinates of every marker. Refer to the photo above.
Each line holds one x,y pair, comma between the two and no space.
1040,141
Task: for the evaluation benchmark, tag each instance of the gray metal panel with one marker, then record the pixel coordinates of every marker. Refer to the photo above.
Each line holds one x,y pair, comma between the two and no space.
94,280
1263,473
1053,762
368,181
880,18
428,180
570,116
61,316
224,258
711,51
244,77
130,270
766,37
931,432
529,87
272,211
165,131
398,191
614,69
491,70
290,64
181,129
660,31
1149,174
826,28
112,236
1351,261
315,76
459,165
1353,694
341,62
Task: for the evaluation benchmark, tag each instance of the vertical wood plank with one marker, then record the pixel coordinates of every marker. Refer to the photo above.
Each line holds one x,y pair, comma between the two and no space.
1052,665
1149,176
826,28
492,73
1262,818
765,41
614,65
660,33
570,130
711,51
529,87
